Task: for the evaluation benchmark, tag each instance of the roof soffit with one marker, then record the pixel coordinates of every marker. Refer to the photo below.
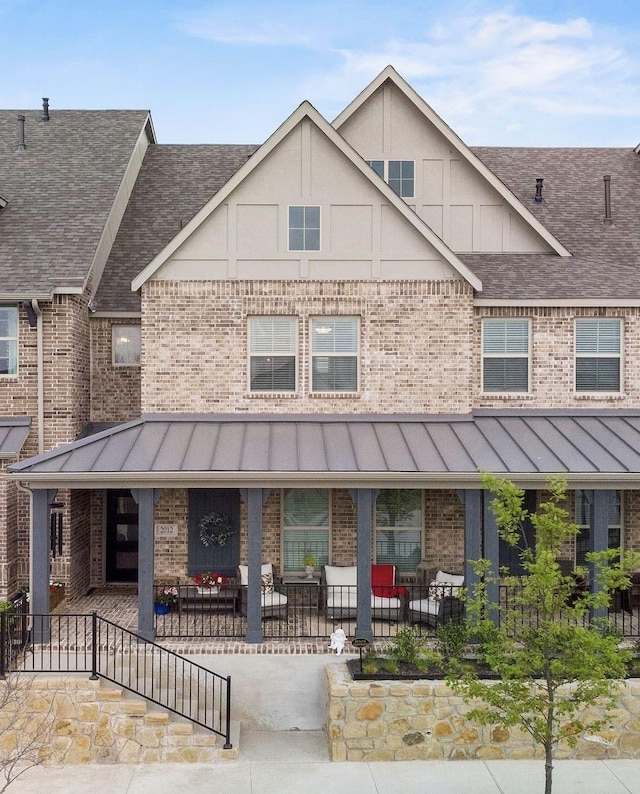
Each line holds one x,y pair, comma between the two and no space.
389,73
307,111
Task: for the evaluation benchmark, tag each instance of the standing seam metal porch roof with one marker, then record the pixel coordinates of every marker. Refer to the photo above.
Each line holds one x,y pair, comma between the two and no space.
13,433
590,448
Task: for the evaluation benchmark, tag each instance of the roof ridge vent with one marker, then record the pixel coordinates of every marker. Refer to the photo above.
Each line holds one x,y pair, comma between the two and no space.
20,145
607,200
45,109
538,197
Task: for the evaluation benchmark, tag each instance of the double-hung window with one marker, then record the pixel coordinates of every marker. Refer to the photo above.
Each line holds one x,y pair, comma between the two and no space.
398,174
304,228
126,345
273,343
598,354
306,528
505,355
583,520
8,340
335,346
398,529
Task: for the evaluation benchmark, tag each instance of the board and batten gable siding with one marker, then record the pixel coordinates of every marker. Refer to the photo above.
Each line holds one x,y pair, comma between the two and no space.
453,199
361,235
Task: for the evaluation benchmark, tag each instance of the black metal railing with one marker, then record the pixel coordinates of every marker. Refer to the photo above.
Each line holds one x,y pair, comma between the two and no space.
313,610
94,645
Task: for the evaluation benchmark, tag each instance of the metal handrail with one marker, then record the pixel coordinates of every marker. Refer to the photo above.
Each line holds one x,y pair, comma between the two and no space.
88,643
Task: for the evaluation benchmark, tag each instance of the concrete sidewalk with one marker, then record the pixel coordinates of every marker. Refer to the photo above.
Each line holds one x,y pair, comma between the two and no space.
279,762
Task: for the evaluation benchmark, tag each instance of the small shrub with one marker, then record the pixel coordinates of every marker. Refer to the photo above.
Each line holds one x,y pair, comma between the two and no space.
370,663
428,659
408,646
389,666
452,639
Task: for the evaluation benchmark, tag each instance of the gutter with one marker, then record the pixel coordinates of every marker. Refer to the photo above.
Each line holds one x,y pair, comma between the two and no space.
40,372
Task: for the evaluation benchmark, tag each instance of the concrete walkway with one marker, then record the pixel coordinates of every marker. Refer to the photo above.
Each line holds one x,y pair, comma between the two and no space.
279,762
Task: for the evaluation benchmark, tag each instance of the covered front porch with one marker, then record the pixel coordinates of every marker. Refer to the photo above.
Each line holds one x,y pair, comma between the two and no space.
361,455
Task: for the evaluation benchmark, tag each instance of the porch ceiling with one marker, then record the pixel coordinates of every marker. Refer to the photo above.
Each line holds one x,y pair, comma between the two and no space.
591,448
13,433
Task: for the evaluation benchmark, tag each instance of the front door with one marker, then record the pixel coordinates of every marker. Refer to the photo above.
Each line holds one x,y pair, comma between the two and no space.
122,537
214,531
510,555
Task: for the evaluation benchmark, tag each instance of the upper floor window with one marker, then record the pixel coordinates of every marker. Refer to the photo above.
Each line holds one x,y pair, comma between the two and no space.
398,174
126,345
583,520
8,340
505,355
334,353
598,354
272,353
398,528
304,228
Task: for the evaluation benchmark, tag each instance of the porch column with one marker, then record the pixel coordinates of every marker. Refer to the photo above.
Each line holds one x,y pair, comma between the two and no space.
472,502
254,498
39,552
147,499
364,499
599,539
492,553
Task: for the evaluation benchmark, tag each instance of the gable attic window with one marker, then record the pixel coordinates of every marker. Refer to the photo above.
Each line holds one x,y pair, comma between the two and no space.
505,355
8,340
272,353
398,174
304,228
598,356
125,346
334,354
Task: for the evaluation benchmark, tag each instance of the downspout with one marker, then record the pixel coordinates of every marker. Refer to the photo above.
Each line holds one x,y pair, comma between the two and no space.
40,373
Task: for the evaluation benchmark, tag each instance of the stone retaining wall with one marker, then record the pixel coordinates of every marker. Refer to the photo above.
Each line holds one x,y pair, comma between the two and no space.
90,721
406,720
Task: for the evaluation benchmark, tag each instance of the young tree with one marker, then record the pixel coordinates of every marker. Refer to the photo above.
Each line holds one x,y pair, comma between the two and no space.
552,667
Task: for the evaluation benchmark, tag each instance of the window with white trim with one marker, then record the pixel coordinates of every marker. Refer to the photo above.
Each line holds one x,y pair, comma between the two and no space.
398,174
8,340
306,528
583,520
505,355
126,343
398,528
335,344
273,343
304,228
598,354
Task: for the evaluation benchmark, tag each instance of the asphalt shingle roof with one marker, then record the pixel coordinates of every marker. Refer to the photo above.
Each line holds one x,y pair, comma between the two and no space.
606,259
174,183
59,191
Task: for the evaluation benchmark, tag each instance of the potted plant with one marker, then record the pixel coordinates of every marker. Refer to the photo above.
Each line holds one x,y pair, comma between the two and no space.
209,582
309,562
165,600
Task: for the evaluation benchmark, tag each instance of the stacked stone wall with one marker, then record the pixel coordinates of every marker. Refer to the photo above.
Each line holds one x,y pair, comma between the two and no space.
426,720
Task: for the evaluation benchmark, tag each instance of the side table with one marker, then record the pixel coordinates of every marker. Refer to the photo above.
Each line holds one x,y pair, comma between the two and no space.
302,592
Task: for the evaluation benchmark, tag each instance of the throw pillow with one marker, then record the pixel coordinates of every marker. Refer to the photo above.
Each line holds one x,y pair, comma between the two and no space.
438,590
267,583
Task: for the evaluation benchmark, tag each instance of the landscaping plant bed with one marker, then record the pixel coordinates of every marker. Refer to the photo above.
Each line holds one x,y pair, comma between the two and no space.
407,672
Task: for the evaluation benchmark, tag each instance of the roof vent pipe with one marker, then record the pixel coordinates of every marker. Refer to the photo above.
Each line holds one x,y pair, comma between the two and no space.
538,197
607,200
45,109
21,145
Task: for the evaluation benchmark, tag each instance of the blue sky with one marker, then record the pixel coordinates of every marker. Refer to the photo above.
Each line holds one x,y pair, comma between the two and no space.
538,73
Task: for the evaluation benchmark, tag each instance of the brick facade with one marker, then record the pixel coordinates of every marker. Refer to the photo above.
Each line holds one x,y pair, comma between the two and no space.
115,390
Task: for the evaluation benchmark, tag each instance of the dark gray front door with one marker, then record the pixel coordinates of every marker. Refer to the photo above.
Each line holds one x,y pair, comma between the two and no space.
122,537
510,555
214,531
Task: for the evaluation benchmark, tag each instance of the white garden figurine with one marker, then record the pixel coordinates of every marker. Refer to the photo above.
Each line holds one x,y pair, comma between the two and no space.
338,640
